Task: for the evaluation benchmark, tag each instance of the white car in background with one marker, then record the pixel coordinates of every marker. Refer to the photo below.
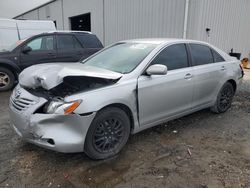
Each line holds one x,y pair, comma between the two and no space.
11,31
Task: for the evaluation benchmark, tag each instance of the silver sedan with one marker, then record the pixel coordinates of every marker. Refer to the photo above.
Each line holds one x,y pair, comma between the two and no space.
94,105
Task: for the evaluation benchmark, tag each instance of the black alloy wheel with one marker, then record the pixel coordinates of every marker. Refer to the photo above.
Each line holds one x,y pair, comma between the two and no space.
108,133
224,98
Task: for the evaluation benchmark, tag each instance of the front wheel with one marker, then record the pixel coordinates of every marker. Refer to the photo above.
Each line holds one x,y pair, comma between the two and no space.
7,79
224,98
107,134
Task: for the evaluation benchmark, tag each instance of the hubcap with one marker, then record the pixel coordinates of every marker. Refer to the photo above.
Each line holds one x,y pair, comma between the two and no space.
226,98
4,79
108,135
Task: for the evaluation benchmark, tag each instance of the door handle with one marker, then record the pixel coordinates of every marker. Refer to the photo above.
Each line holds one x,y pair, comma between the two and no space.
223,68
51,54
188,76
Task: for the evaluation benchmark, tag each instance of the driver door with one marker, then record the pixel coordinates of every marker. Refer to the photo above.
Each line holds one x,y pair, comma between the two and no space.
164,96
42,51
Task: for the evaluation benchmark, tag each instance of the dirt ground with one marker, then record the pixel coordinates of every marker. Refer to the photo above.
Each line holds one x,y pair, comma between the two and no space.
202,150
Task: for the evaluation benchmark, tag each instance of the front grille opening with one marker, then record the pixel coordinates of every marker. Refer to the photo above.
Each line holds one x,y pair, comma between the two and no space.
51,141
21,104
41,109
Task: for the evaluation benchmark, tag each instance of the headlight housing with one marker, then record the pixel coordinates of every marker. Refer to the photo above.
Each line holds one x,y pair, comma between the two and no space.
58,106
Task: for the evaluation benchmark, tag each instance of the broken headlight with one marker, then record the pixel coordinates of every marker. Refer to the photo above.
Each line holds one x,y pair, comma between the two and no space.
58,106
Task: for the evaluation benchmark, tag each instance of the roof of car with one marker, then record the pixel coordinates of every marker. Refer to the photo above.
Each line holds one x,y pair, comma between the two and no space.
161,40
68,31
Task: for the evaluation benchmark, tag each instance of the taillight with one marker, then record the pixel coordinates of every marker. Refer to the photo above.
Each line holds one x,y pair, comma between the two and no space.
242,70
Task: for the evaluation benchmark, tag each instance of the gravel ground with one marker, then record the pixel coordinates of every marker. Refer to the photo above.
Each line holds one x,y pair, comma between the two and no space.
202,150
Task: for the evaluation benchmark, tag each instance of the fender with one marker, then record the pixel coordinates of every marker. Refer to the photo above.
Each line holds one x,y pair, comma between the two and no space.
10,65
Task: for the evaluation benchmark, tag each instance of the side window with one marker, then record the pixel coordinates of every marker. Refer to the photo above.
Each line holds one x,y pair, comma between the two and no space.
89,41
217,56
201,54
67,42
42,43
76,43
174,57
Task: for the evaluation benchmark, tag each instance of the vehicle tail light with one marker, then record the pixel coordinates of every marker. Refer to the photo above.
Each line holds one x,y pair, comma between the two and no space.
242,70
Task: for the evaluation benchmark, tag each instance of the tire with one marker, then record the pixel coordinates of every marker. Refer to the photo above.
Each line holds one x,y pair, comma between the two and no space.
108,133
7,79
224,99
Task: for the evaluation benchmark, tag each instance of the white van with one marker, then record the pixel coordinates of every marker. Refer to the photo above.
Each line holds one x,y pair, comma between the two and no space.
12,30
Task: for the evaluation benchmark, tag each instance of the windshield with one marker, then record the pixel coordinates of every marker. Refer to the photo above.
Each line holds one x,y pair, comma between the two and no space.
122,57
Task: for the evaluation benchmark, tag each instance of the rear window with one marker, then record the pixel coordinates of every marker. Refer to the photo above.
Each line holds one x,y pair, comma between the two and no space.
217,56
67,42
89,41
201,54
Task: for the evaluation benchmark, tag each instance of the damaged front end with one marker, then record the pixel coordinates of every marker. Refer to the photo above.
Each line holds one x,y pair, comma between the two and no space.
56,81
71,85
39,113
62,133
65,76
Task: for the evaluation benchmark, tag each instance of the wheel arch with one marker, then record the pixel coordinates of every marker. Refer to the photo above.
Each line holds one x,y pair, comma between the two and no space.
234,84
126,109
12,68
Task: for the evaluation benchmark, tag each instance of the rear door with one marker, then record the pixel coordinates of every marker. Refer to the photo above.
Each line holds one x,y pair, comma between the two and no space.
164,96
90,43
209,72
43,51
69,48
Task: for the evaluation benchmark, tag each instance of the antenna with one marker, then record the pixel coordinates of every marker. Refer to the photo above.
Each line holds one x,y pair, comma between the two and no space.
18,33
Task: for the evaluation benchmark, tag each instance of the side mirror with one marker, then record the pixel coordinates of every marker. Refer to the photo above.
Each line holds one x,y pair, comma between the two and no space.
157,69
26,49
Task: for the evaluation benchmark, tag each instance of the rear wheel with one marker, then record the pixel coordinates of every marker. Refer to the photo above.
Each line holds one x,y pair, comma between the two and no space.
7,79
107,134
224,98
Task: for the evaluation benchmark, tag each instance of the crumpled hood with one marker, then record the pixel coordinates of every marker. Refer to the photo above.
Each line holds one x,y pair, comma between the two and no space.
50,75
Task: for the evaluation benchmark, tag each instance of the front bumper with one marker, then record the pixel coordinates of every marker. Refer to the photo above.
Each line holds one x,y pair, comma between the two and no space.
62,133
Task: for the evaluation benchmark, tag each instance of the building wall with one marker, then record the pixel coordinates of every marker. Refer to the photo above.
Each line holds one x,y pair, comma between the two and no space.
114,20
143,18
228,20
61,11
33,15
52,11
78,7
121,19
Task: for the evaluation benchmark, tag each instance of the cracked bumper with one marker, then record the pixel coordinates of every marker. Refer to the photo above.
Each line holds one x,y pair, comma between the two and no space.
62,133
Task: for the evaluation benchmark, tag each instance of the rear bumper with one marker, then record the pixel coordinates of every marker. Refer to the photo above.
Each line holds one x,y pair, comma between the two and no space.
62,133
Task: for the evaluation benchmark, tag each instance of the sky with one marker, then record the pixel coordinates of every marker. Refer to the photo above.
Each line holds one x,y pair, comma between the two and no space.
12,8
